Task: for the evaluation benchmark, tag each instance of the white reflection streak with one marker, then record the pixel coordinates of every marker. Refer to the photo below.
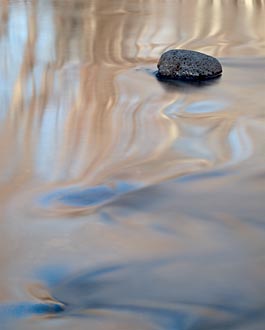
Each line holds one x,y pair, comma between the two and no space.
240,143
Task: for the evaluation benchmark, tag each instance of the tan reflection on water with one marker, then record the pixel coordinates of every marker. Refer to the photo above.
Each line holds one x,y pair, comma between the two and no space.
80,106
87,57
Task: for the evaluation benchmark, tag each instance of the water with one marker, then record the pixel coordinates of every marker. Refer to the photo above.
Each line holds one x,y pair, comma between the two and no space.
127,202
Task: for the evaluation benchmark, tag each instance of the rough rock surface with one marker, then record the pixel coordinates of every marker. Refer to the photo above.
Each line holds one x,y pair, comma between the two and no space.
188,64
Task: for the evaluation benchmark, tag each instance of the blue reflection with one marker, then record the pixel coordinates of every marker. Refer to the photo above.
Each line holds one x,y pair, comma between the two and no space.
91,196
25,309
205,107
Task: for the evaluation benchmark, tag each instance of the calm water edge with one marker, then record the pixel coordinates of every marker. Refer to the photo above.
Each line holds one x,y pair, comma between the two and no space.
127,203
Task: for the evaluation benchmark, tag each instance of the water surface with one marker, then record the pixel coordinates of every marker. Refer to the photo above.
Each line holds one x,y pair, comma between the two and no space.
127,202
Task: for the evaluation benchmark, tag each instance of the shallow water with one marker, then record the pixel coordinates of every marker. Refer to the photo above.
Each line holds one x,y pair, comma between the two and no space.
129,203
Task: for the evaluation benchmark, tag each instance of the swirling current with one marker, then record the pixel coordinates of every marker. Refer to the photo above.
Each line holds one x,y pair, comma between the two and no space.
126,202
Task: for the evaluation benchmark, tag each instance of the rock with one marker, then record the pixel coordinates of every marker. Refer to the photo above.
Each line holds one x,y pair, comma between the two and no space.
188,65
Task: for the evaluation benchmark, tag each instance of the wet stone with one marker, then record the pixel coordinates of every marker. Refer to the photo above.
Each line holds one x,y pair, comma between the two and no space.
188,65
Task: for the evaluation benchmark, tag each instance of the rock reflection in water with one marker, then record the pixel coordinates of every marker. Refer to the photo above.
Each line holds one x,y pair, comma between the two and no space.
144,199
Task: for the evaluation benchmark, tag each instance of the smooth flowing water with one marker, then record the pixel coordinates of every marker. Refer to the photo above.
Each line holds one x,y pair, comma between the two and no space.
127,203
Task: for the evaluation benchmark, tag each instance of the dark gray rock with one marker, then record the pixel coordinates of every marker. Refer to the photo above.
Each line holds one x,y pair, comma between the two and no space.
188,65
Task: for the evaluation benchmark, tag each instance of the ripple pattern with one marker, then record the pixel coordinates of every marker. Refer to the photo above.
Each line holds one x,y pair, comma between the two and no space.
127,202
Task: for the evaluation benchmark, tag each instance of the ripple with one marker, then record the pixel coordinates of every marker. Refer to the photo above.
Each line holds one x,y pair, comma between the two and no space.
149,193
156,294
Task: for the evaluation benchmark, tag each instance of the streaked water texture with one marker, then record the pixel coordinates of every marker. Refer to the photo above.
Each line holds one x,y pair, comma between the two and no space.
127,202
